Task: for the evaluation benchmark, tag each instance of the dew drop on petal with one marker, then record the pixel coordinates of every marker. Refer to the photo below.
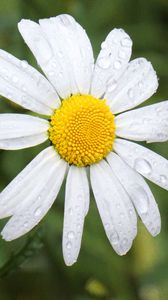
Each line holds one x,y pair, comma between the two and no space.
141,165
70,211
25,224
126,42
107,226
15,79
37,212
130,93
104,62
117,65
114,238
112,84
124,241
71,235
122,54
24,64
140,200
103,45
68,245
140,84
163,179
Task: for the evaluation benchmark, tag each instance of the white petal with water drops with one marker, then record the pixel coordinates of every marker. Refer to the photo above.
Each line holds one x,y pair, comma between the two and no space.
149,123
63,51
24,182
38,201
139,193
127,202
138,83
109,195
25,86
19,131
146,162
76,207
111,62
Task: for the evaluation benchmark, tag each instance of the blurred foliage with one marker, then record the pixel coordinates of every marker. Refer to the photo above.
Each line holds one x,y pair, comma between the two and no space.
32,267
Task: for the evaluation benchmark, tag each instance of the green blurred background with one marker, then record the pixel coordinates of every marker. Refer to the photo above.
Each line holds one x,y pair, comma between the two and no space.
32,267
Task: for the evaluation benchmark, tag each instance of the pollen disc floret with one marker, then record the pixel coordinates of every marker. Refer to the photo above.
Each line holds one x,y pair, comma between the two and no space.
82,130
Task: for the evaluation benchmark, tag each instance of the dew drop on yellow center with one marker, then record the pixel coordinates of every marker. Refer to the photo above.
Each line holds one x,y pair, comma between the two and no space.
82,130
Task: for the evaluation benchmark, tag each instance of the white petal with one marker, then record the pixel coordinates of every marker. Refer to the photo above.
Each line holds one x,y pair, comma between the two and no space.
25,86
138,83
149,123
22,184
109,196
112,61
23,142
128,204
38,201
146,162
139,193
19,131
19,125
76,207
63,51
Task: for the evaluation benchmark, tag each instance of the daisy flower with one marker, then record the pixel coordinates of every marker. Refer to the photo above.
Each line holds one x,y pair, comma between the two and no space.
89,125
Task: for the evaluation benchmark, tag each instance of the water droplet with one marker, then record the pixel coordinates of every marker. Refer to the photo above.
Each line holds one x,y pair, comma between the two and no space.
140,199
140,84
70,211
9,56
78,227
107,226
130,211
25,224
37,212
24,64
68,245
71,235
23,88
124,241
163,179
114,238
112,84
121,54
104,62
117,65
126,42
103,45
153,230
79,197
130,93
4,71
142,166
60,74
140,61
15,79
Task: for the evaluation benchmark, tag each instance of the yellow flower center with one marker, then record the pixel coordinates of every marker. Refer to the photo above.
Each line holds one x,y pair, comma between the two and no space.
82,130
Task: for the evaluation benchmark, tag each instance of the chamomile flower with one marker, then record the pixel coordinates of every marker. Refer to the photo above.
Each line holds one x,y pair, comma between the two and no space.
89,125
